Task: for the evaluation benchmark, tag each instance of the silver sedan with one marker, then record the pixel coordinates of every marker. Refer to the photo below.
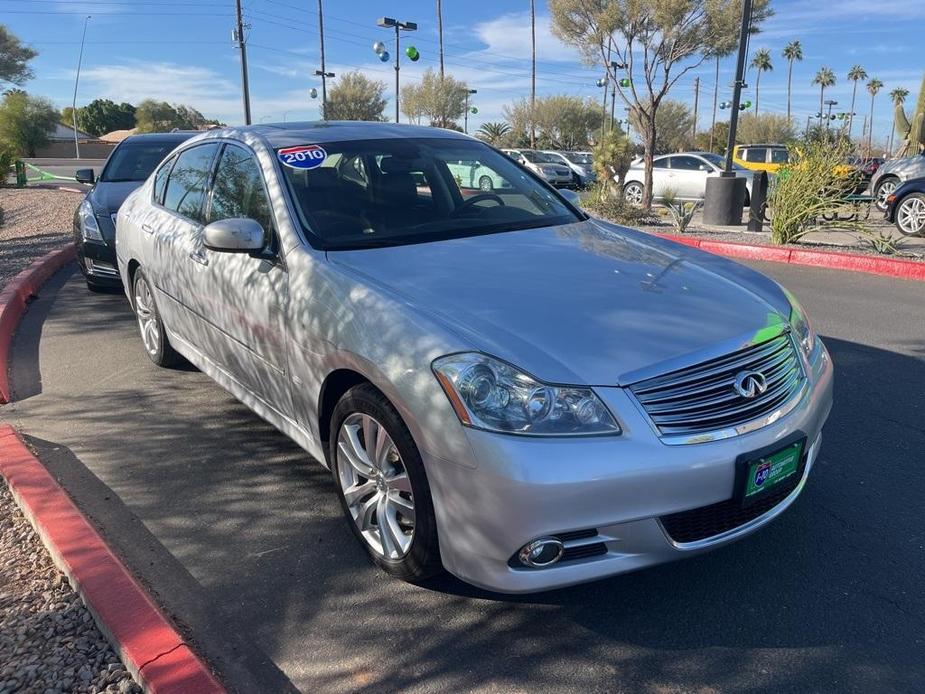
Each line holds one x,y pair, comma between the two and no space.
501,386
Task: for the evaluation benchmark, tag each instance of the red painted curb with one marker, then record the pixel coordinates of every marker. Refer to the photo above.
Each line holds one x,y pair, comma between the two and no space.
833,260
14,299
148,644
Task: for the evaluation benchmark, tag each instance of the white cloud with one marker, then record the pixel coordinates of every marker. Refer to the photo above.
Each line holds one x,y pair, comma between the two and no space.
509,35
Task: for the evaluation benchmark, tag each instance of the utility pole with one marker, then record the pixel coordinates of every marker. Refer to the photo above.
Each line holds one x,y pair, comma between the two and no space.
388,22
80,59
440,32
321,73
245,88
533,75
466,116
696,104
606,86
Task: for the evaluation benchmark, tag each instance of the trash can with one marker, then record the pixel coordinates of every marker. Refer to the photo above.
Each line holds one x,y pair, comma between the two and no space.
757,202
20,173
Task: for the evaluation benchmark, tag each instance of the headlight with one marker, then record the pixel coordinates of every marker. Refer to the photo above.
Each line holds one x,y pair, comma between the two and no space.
490,394
802,327
89,227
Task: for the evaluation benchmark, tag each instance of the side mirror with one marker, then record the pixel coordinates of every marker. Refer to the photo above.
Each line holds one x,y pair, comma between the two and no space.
234,236
85,176
570,195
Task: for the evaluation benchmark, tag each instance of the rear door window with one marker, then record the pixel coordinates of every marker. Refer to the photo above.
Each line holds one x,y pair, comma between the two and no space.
757,155
686,163
188,181
160,180
779,156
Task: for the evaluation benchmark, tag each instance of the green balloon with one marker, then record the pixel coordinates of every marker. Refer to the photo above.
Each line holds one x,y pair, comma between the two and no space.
412,53
625,82
474,109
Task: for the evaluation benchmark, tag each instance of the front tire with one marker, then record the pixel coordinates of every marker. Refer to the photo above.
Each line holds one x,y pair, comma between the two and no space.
382,485
632,193
153,335
910,215
885,187
485,184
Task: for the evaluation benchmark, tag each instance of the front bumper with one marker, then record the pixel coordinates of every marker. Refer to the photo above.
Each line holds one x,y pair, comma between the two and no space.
97,260
525,488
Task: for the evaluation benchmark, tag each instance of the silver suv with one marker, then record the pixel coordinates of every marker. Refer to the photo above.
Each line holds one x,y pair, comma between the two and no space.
893,173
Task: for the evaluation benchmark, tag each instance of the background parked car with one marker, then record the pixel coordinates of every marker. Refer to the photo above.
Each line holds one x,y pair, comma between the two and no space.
127,167
893,173
906,207
473,174
581,164
763,157
684,173
543,165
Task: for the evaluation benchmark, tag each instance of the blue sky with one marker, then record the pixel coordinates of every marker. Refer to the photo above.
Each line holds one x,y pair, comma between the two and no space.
181,51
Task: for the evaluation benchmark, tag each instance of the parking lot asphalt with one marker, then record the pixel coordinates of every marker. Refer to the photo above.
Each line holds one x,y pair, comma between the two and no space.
240,535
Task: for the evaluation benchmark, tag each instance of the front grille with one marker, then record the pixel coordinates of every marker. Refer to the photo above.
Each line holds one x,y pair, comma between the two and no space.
709,521
577,535
702,398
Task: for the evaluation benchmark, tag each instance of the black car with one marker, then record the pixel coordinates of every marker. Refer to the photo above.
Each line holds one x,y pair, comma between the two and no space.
129,164
905,206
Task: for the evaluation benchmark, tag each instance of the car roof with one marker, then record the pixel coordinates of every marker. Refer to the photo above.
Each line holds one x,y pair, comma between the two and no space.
762,144
318,132
175,137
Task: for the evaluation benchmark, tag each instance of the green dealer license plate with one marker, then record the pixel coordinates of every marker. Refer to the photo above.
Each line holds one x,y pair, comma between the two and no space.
764,473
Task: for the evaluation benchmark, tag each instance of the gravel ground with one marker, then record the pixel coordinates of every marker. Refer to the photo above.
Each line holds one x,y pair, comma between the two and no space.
48,640
36,220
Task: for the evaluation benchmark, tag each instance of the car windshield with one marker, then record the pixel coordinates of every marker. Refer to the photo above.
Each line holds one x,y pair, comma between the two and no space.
538,157
372,193
720,161
134,161
578,157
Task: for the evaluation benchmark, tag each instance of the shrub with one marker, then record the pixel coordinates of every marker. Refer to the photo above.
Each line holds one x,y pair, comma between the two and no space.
601,201
812,186
7,158
681,214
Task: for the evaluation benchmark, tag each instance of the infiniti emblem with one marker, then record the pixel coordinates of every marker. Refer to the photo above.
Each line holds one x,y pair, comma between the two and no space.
750,384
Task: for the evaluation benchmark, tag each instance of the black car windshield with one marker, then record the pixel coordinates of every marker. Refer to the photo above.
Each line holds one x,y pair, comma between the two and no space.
134,161
372,193
535,157
578,157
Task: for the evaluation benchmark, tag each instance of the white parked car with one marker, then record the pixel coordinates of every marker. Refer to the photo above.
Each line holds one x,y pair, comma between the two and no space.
544,166
581,164
684,173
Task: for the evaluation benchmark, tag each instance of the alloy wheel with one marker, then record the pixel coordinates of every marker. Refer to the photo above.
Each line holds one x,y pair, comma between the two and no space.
910,217
485,183
633,194
884,190
375,485
148,322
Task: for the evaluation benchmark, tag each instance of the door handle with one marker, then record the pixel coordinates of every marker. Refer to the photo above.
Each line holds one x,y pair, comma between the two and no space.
147,228
199,257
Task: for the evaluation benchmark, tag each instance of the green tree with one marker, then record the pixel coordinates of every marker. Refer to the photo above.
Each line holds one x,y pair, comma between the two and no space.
766,127
158,116
897,98
714,141
559,121
793,52
612,158
101,116
26,121
659,41
824,78
14,58
761,62
493,132
356,97
855,74
674,122
873,88
440,99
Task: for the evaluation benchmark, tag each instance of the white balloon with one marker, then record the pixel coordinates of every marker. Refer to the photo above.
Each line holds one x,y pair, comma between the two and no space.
378,46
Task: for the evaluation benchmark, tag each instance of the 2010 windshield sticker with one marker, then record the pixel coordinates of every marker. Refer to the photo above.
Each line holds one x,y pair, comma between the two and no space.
303,156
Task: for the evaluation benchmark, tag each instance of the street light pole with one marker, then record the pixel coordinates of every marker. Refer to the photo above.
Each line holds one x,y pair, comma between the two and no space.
80,59
324,75
828,116
245,88
533,75
466,117
739,83
388,22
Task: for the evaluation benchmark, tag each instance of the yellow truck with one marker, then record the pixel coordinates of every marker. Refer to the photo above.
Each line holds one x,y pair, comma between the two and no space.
764,157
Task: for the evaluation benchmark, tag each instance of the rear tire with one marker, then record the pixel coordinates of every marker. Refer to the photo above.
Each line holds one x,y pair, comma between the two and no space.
486,184
633,192
153,335
885,186
388,482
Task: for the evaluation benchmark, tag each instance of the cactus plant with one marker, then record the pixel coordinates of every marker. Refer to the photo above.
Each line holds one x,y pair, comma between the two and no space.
912,129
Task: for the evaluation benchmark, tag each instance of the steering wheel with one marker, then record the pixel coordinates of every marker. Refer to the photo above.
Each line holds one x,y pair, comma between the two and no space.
469,202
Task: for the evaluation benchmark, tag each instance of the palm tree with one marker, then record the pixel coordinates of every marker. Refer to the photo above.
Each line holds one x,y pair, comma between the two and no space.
761,61
855,74
898,97
824,78
493,132
873,87
792,51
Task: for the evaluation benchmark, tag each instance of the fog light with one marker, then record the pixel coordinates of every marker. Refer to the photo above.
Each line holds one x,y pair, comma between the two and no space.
545,551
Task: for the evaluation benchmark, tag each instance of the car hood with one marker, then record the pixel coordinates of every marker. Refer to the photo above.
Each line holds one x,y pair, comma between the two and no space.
106,197
584,303
904,166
